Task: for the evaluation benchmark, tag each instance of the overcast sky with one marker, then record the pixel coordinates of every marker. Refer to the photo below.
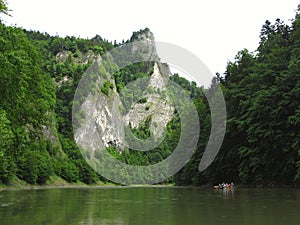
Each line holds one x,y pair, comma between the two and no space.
214,30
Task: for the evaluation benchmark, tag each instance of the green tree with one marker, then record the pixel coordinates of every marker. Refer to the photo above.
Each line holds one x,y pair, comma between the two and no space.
7,168
3,7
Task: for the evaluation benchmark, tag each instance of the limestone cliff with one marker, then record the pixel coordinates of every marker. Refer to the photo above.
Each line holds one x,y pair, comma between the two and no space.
104,120
157,105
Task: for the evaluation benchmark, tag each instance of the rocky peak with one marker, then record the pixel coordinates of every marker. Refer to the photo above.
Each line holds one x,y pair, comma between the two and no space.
143,35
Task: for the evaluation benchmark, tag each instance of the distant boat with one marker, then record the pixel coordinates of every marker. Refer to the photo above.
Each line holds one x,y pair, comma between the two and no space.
227,188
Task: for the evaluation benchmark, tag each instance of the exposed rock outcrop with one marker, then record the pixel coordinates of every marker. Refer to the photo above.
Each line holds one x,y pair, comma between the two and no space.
157,106
103,123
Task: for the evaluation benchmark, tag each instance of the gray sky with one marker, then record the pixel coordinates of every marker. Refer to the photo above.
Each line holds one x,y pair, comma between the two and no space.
213,30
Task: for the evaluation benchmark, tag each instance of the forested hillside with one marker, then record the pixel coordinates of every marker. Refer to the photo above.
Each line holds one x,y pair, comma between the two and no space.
262,93
39,77
36,141
39,74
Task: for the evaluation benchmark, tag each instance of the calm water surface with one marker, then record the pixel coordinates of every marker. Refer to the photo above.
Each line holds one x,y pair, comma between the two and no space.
149,205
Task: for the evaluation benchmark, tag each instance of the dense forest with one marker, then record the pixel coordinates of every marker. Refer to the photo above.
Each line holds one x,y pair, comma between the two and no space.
39,74
262,94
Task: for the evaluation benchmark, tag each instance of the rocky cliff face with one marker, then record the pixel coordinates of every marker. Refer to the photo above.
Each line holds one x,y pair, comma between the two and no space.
104,121
156,105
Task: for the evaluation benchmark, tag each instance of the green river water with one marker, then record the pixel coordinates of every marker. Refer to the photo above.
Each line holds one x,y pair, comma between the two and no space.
149,205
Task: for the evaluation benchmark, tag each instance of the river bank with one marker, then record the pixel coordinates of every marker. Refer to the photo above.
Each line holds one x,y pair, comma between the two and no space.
57,182
54,182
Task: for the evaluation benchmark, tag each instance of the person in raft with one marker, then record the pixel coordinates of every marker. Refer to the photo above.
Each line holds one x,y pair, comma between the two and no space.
225,185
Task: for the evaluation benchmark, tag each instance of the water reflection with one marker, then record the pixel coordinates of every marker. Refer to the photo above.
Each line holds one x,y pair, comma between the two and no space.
135,206
227,193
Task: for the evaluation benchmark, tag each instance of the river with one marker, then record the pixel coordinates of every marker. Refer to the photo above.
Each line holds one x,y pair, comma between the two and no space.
149,206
